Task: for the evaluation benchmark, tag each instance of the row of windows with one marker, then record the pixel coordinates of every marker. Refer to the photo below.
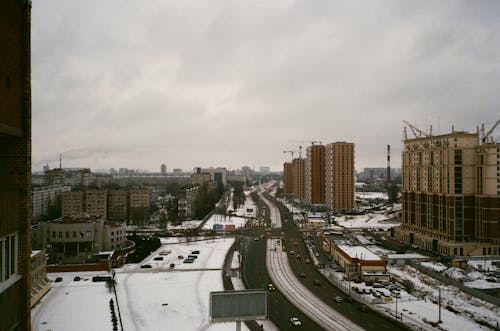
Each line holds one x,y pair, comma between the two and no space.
8,258
87,234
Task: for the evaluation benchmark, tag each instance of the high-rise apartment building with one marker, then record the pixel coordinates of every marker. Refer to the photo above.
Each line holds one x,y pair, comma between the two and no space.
287,178
339,176
15,165
315,175
163,169
451,194
72,203
298,169
46,201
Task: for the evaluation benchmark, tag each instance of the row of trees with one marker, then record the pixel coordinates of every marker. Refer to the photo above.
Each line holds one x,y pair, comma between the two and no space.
207,197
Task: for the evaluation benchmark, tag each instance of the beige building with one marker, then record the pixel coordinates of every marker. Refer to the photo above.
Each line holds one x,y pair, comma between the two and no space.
96,203
117,205
315,175
45,200
339,176
200,178
139,205
72,203
78,239
298,169
451,194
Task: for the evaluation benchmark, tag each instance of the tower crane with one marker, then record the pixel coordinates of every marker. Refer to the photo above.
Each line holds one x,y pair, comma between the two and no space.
291,153
416,131
485,138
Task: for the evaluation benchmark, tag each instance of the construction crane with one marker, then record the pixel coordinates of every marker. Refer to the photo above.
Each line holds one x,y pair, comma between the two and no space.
416,131
291,153
486,136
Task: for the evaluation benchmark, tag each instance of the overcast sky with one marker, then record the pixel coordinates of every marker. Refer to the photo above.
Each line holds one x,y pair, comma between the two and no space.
123,83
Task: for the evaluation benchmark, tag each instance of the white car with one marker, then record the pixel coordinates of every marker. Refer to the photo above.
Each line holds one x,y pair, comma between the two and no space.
295,321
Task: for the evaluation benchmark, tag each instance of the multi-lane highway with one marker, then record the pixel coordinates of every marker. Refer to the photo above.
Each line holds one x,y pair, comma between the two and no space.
281,274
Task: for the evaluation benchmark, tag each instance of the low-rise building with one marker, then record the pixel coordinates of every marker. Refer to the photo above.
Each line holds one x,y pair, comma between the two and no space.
77,239
40,284
360,262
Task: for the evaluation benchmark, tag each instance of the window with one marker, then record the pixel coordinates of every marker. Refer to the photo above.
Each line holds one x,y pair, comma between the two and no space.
8,260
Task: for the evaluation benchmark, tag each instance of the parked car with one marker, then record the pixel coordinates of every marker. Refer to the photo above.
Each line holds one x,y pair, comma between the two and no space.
188,261
195,252
172,265
76,279
58,279
192,257
146,266
158,258
295,321
180,257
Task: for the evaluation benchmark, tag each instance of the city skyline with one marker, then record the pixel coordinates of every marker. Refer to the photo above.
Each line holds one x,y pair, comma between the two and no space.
228,84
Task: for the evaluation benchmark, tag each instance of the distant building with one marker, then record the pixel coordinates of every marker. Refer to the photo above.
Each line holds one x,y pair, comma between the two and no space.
163,169
54,177
78,239
339,176
264,170
451,194
139,205
177,172
200,178
117,205
46,200
186,201
315,175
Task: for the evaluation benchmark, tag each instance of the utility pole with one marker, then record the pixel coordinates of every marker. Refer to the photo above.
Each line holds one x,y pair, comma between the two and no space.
439,305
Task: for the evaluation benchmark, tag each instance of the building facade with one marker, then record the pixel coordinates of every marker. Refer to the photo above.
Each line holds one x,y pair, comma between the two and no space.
46,201
298,168
40,284
288,178
117,205
139,205
315,175
15,165
451,194
78,239
339,176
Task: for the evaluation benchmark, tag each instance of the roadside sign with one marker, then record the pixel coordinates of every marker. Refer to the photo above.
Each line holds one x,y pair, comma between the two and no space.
229,227
226,306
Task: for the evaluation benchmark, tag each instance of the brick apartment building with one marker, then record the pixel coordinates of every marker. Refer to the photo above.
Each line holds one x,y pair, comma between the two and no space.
339,176
315,175
298,169
451,194
15,165
120,205
288,178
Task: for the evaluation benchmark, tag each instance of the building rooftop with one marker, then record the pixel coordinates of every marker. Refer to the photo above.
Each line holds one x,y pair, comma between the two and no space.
359,252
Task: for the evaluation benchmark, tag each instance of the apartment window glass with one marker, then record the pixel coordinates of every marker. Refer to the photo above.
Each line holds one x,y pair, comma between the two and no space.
8,258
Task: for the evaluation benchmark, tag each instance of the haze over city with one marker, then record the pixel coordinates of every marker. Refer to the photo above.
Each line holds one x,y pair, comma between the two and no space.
137,84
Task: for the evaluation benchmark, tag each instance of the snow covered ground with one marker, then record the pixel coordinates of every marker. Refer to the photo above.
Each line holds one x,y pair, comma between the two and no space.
468,308
376,220
149,299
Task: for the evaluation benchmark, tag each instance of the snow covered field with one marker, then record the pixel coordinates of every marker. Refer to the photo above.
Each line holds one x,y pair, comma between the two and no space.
376,220
149,299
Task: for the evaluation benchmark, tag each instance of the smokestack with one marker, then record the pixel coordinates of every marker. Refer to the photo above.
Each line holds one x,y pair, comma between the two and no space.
388,165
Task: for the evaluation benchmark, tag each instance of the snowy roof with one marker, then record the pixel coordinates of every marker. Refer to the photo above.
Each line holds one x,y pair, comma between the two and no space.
35,252
407,256
359,252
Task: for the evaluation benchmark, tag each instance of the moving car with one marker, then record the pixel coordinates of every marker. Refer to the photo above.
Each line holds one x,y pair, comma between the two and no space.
271,287
338,299
295,321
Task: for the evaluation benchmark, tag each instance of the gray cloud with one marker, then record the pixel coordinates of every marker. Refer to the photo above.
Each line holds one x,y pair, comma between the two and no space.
136,84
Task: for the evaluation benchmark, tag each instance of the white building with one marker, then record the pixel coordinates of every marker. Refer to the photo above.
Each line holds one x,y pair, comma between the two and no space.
45,198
